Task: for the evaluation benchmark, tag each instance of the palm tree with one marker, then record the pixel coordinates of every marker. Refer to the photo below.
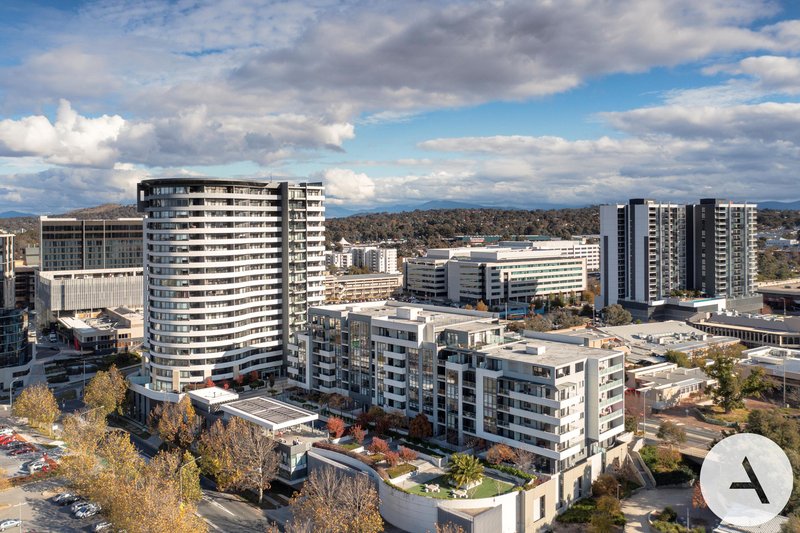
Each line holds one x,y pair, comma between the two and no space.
464,470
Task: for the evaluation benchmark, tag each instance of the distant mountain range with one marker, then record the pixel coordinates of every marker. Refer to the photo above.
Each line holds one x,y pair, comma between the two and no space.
15,214
335,211
780,206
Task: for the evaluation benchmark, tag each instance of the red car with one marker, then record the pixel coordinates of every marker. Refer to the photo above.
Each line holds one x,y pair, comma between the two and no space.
23,450
7,438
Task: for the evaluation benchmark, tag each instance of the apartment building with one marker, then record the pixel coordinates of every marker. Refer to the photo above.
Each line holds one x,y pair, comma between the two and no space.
7,288
722,250
72,244
362,287
651,251
574,248
643,251
231,267
559,400
340,260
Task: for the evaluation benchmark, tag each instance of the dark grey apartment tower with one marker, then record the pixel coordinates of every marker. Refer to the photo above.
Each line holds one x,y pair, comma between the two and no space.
721,241
71,244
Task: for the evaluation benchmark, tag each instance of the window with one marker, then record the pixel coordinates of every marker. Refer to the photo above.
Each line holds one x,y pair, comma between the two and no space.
540,515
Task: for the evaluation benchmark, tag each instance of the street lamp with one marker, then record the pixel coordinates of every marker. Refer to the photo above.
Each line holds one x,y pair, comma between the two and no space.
644,413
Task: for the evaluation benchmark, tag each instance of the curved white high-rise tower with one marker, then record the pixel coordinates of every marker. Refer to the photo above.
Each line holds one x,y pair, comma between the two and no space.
230,269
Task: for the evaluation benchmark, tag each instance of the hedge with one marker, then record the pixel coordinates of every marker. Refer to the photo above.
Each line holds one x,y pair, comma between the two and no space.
510,470
581,512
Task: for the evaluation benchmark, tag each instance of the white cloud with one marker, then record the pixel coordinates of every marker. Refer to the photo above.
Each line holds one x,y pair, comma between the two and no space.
70,140
344,186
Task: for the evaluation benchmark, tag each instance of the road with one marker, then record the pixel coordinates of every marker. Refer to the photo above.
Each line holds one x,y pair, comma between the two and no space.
696,437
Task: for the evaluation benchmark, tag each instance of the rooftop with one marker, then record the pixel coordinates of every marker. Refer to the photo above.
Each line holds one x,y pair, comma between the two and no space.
269,413
555,353
660,337
354,277
408,313
756,322
213,395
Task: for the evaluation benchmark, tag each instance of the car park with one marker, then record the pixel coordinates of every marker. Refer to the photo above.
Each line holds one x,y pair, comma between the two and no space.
9,523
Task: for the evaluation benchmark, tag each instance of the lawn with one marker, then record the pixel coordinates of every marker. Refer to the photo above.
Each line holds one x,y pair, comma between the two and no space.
351,445
399,470
581,512
736,415
488,488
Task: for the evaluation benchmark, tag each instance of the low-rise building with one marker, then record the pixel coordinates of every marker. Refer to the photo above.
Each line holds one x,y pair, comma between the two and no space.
781,367
781,298
75,292
112,331
558,400
290,426
752,330
668,383
649,342
362,287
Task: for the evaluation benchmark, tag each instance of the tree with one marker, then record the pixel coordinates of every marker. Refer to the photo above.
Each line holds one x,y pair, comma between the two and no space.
602,521
244,453
729,390
336,426
616,315
38,404
176,423
337,503
449,527
420,427
407,454
481,306
392,458
524,460
792,525
378,446
671,433
631,424
605,485
500,453
358,434
756,384
106,391
679,358
464,470
698,501
538,323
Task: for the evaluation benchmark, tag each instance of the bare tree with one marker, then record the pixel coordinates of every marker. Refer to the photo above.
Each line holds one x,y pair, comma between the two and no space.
524,460
243,454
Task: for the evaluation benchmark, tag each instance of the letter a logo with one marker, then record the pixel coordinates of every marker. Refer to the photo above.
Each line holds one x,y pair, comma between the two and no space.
753,484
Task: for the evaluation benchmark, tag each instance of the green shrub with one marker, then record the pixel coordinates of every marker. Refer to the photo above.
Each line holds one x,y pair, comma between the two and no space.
581,512
399,470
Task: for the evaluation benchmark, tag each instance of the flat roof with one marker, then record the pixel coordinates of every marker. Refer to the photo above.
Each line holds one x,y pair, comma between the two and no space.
556,353
353,277
213,395
269,413
783,289
439,316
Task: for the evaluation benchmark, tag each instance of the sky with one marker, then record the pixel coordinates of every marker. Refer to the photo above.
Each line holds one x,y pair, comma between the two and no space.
528,103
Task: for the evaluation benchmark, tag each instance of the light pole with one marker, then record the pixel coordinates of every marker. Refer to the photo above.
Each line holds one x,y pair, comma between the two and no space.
180,478
644,414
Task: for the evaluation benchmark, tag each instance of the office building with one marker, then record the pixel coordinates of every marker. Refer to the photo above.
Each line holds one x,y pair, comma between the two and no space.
721,249
25,287
574,248
652,251
362,287
112,331
231,267
16,350
559,400
494,275
80,293
781,368
667,383
72,244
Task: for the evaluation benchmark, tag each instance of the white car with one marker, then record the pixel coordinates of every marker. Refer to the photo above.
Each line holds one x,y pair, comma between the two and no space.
6,431
88,511
8,524
78,505
102,526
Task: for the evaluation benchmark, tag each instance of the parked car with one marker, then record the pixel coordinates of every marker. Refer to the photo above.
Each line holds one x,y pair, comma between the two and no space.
58,498
7,440
22,451
88,510
102,526
78,505
6,431
9,523
13,444
72,498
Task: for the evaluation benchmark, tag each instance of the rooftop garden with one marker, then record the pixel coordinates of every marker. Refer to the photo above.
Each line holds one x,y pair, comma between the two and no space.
488,488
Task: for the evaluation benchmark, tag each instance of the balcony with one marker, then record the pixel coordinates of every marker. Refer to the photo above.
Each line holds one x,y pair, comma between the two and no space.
611,401
611,416
612,369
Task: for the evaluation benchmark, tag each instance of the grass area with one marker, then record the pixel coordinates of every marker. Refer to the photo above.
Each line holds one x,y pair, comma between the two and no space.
351,445
488,488
399,470
737,415
581,512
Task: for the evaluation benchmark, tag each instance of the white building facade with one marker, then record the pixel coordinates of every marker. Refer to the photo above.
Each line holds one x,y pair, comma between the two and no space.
231,267
558,400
